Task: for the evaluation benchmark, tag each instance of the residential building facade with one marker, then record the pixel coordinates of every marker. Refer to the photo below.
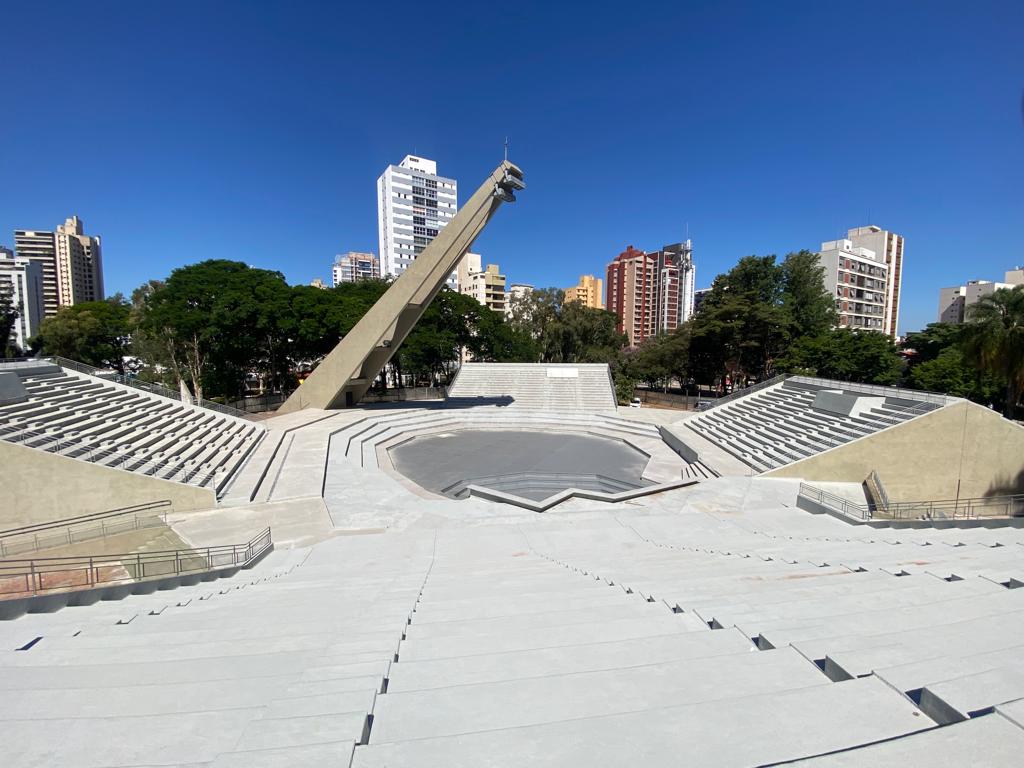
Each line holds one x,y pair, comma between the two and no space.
71,263
352,266
888,249
413,205
857,277
486,285
21,281
589,292
631,293
677,275
651,293
955,302
516,293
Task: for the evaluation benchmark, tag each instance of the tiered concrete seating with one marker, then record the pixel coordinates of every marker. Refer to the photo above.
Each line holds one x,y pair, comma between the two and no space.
778,425
92,419
721,635
289,656
554,387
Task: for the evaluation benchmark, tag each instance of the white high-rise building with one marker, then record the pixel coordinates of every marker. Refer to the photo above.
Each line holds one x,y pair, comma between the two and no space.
856,276
413,205
21,280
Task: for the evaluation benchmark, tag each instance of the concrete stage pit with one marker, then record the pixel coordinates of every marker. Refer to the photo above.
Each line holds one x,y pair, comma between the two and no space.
531,464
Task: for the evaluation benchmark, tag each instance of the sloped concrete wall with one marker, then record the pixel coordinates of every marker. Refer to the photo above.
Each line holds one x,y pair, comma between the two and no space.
924,459
37,487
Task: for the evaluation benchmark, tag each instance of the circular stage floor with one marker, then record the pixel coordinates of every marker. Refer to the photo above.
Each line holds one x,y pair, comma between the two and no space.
530,464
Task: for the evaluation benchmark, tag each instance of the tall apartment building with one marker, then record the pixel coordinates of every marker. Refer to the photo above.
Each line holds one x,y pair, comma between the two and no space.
487,285
651,292
676,284
698,298
21,281
857,277
589,292
516,292
352,266
413,205
955,302
71,263
888,249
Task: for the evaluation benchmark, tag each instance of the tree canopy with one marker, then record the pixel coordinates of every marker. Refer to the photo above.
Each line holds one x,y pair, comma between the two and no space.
94,332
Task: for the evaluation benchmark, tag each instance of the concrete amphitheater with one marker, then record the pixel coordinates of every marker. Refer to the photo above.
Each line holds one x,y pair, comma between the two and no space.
521,574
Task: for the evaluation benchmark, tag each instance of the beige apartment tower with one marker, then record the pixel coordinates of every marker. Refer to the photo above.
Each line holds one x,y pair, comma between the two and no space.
487,286
71,263
589,292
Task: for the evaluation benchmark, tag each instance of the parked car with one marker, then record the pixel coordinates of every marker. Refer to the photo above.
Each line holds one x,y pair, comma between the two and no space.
634,403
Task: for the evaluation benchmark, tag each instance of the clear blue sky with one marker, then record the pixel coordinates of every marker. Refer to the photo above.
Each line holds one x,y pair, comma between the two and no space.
256,131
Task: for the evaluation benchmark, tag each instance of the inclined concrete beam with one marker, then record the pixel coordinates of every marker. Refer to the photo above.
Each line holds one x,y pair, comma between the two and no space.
343,377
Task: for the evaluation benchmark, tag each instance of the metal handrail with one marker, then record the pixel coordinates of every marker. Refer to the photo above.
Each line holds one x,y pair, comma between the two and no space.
92,516
145,386
942,509
83,527
909,394
737,393
37,575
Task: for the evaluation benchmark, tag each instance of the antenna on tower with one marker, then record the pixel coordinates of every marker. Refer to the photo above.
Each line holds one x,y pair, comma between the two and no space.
506,149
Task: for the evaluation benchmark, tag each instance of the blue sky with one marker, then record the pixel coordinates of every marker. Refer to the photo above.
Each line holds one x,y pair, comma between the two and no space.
256,131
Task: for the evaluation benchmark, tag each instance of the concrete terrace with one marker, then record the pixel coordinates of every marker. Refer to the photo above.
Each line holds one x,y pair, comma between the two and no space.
715,624
596,637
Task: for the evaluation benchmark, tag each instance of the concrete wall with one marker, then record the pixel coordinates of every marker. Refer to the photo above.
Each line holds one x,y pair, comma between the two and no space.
37,487
927,458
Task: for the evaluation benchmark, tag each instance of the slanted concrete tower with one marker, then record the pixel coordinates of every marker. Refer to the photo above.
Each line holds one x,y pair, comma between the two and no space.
343,377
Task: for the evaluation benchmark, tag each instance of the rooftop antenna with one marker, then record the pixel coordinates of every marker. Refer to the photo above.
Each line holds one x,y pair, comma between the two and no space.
506,149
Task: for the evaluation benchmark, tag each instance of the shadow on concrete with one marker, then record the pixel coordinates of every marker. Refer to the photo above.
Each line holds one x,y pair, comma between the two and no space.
1007,485
450,404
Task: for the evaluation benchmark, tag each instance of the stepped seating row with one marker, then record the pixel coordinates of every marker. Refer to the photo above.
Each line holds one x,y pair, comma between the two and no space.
289,656
779,425
91,419
611,640
927,612
530,386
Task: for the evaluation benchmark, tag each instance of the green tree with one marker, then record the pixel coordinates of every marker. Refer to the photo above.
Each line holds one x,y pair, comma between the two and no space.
94,332
950,372
994,341
217,320
810,309
847,355
933,340
742,327
8,317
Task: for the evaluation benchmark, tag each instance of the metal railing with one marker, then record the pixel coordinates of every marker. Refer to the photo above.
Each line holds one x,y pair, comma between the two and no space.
72,530
876,389
31,577
876,491
943,509
145,386
737,393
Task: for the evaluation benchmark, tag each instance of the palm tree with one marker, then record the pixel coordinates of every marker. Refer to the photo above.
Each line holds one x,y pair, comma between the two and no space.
994,340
